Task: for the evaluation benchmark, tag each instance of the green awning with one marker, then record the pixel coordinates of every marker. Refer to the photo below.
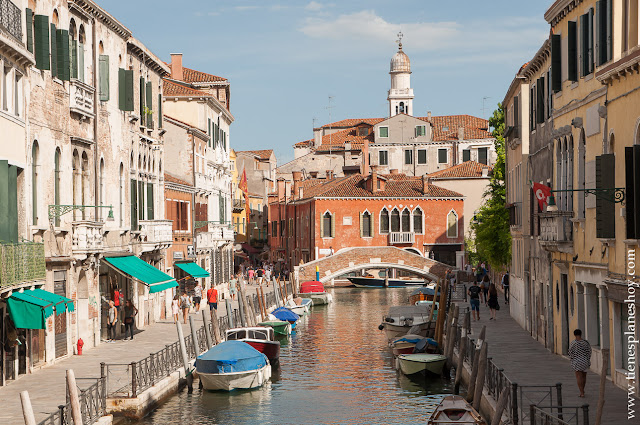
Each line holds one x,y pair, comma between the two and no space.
30,309
144,272
192,269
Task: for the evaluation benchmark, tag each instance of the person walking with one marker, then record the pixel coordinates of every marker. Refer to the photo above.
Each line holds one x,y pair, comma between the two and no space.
493,301
485,288
250,273
130,312
474,300
112,318
267,274
185,304
580,355
212,298
175,309
232,287
505,286
197,296
260,273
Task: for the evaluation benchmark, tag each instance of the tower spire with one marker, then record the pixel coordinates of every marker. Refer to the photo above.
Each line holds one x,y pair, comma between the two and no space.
399,40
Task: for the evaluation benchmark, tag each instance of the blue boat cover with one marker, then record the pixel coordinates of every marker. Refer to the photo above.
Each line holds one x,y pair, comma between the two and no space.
424,290
412,340
230,356
285,314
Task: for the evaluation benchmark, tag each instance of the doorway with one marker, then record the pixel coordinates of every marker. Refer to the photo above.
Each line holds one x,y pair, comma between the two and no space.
60,288
564,282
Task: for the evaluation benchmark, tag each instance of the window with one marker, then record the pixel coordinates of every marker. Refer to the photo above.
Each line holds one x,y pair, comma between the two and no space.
442,156
422,156
327,225
406,220
384,221
274,228
395,220
402,111
383,131
556,63
101,188
572,51
41,37
125,89
466,155
5,87
408,157
421,130
604,26
586,43
452,224
483,154
134,208
383,158
121,197
281,227
17,94
34,182
56,183
632,179
103,75
363,131
605,208
366,225
417,221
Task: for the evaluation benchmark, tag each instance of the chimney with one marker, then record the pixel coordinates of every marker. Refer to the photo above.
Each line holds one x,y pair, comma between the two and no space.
426,181
485,171
329,174
280,189
176,66
429,116
374,179
317,136
460,133
365,158
393,171
297,180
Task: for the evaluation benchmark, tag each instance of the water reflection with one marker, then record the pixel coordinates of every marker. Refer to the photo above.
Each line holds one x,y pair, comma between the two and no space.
335,369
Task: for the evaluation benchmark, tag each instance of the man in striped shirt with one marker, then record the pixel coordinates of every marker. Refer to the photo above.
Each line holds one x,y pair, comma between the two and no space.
580,355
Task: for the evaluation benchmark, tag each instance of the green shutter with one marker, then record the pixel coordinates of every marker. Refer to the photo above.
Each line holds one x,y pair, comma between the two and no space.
141,101
74,59
54,49
540,101
371,226
29,21
159,110
361,225
134,205
584,33
572,51
149,109
605,208
80,70
103,77
41,28
630,188
556,63
62,53
590,53
209,130
141,200
125,89
466,155
150,204
609,30
321,225
333,225
121,89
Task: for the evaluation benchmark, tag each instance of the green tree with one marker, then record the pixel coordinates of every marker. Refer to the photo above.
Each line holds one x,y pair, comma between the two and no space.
491,224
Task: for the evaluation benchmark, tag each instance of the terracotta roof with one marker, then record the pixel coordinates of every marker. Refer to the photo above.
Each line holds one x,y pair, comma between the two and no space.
465,169
337,140
186,124
303,144
352,122
172,179
397,186
192,76
262,154
171,88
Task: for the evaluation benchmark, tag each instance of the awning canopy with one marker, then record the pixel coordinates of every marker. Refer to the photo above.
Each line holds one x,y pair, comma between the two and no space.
30,309
250,249
143,271
192,269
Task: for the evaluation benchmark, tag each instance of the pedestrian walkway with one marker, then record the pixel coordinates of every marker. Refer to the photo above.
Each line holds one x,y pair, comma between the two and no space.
47,386
527,362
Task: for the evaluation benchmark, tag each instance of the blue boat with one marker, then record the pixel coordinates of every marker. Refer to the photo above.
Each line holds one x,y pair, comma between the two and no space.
286,315
232,365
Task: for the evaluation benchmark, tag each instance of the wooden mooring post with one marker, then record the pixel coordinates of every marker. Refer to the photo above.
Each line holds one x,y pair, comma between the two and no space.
185,357
482,371
229,313
451,336
27,409
74,398
432,312
474,367
194,336
462,349
500,406
206,319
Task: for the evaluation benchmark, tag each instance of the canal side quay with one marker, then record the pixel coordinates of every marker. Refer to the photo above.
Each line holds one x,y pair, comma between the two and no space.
47,386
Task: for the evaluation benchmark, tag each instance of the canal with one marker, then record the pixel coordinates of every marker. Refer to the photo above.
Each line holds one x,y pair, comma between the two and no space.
335,369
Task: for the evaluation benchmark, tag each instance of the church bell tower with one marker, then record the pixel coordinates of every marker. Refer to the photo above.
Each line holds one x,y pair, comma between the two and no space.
400,95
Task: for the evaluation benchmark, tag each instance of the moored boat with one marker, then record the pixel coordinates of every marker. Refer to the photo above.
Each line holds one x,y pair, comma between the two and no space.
454,410
280,327
232,365
401,319
315,290
425,293
416,363
260,338
299,309
407,344
373,282
283,313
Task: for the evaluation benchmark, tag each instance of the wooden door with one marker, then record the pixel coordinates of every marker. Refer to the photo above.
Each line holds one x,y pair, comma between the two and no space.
60,288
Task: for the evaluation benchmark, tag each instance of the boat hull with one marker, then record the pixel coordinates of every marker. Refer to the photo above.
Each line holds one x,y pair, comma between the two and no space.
454,410
317,298
279,328
271,349
235,380
416,363
394,331
367,282
300,310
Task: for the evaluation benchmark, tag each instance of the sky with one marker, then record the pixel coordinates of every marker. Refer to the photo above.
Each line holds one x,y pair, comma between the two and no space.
285,59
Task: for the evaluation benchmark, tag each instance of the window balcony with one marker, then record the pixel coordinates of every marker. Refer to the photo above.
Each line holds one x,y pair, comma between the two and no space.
11,19
400,238
21,262
220,234
155,234
81,98
238,205
87,236
556,231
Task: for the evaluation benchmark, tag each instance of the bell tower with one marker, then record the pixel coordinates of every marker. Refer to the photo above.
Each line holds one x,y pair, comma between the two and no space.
400,95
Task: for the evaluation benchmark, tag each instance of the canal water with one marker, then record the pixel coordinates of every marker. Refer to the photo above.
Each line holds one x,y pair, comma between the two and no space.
335,369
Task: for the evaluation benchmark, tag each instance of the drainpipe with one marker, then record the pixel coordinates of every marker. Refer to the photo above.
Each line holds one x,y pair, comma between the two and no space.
96,99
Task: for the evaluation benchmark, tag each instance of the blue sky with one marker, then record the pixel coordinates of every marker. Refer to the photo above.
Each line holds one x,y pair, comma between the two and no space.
285,58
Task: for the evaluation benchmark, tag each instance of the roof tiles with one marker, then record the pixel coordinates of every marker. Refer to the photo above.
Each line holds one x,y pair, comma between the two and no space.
466,169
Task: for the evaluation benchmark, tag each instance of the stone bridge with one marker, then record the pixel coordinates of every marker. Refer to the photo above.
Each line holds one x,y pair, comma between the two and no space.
357,258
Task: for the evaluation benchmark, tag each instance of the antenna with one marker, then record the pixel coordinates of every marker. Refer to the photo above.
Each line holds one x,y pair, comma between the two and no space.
483,106
330,107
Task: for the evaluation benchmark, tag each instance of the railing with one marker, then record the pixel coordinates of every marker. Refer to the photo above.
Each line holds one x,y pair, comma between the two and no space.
556,227
401,237
238,204
81,98
496,381
155,234
11,19
86,236
559,415
539,395
21,262
93,404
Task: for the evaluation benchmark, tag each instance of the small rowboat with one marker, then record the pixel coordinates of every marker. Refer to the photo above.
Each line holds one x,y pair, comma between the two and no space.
283,313
280,327
454,410
315,290
299,309
416,363
404,344
232,365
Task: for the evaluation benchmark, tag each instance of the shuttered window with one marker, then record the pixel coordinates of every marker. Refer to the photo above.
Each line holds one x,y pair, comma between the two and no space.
54,48
150,203
81,62
466,155
327,225
572,51
366,225
540,100
141,99
483,154
134,205
532,113
556,63
74,59
8,202
159,110
442,156
141,200
149,108
420,130
395,220
422,156
586,43
62,54
125,89
417,221
210,127
29,22
41,35
603,31
103,77
408,157
383,131
383,158
384,221
632,198
605,207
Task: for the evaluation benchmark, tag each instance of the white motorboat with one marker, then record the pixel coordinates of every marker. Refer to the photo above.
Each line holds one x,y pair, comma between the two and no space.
315,290
422,362
299,309
401,319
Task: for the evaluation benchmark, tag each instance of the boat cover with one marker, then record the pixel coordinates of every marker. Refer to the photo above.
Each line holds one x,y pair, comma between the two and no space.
422,345
424,290
413,339
311,286
408,310
231,356
284,314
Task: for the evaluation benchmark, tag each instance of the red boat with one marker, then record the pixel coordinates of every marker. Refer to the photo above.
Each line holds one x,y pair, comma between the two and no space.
262,339
315,290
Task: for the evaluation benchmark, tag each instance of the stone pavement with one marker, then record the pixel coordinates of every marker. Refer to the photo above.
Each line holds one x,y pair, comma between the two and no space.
47,386
527,362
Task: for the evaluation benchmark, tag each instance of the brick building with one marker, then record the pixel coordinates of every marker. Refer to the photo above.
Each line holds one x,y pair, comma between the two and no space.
311,217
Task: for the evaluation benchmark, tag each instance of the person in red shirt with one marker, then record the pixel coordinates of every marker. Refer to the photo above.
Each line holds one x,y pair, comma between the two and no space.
212,298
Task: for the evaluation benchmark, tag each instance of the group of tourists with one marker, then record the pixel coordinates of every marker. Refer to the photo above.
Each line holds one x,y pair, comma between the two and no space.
114,310
483,290
183,302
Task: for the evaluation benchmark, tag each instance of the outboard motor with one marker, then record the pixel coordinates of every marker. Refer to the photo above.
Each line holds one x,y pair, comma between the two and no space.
421,346
380,326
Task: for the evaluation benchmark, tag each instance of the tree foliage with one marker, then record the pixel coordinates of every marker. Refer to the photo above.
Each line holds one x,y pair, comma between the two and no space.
491,223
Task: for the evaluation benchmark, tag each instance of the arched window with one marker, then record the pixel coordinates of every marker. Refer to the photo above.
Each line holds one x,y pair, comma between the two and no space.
402,108
85,183
56,183
80,53
75,184
582,151
417,221
406,220
395,220
570,174
34,182
101,193
452,224
328,228
121,196
384,221
366,225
